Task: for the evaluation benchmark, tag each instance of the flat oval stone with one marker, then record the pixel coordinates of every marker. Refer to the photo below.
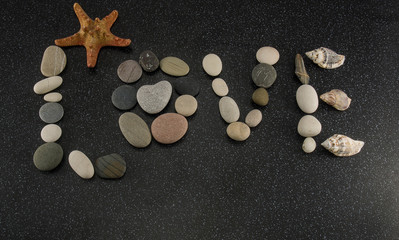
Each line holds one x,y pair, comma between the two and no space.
124,97
129,71
238,131
268,55
51,112
229,110
135,130
186,105
220,87
51,133
81,164
52,97
110,166
48,156
253,118
47,85
309,126
212,64
53,61
169,128
264,75
174,66
154,98
306,97
186,85
309,145
148,61
260,97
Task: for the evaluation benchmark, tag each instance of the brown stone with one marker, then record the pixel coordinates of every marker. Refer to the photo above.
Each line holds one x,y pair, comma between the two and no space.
169,128
260,97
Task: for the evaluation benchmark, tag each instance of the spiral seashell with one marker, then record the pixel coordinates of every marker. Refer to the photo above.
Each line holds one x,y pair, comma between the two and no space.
342,146
300,69
326,58
336,98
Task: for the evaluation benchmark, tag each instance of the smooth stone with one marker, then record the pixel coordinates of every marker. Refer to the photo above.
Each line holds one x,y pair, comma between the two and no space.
53,61
264,75
110,166
307,99
124,97
169,128
129,71
186,105
135,130
253,118
309,126
220,87
47,85
52,97
48,156
268,55
148,61
309,145
154,98
238,131
174,66
212,64
81,164
186,85
51,133
260,97
229,110
51,112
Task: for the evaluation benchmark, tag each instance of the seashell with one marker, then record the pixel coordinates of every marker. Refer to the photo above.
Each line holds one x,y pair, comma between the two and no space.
342,146
326,58
300,69
336,98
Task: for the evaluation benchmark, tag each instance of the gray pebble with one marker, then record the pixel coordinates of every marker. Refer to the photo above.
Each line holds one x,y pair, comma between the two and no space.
148,61
51,112
124,97
154,98
129,71
48,156
228,109
264,75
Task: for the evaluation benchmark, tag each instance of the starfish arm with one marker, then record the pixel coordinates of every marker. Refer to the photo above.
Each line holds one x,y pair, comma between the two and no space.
81,14
92,54
69,41
110,19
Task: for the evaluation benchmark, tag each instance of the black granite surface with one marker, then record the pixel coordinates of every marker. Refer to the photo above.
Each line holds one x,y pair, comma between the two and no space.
205,186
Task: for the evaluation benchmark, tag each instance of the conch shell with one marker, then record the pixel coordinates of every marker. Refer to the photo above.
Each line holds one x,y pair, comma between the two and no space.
342,146
300,69
337,99
326,58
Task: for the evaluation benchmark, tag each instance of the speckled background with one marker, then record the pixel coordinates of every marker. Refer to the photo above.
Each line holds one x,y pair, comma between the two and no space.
206,186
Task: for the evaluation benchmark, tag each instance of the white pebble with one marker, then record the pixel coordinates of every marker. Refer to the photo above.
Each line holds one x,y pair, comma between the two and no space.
51,133
220,87
268,55
212,64
309,145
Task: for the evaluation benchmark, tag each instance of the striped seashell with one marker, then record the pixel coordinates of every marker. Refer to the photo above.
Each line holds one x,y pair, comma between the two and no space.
342,146
110,166
326,58
336,98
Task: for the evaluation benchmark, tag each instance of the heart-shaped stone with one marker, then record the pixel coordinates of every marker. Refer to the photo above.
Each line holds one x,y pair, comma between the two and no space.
154,98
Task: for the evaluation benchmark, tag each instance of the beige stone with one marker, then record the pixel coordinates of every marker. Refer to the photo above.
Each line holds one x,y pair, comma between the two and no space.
253,118
186,105
238,131
212,64
52,97
51,133
81,164
220,87
53,61
174,66
268,55
47,85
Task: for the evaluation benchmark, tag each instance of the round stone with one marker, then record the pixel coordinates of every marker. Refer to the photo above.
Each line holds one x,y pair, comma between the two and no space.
51,133
307,99
129,71
268,55
229,110
81,164
110,166
47,85
174,66
51,112
52,97
309,126
212,64
169,128
53,61
220,87
148,61
186,105
264,75
135,130
124,97
309,145
186,85
260,97
238,131
48,156
253,118
154,98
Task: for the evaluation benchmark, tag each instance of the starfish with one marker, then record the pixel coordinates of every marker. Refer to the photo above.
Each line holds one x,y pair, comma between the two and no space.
93,35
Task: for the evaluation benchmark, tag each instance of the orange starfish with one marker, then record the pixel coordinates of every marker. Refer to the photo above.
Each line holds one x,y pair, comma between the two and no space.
93,35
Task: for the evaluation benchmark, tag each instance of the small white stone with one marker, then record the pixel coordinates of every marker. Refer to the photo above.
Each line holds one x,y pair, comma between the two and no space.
47,85
52,97
51,133
309,126
253,118
229,110
307,99
81,164
309,145
212,64
268,55
220,87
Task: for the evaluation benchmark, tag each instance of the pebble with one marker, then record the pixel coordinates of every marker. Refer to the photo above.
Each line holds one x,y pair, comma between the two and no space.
81,164
51,133
52,97
186,105
309,126
253,118
309,145
220,87
228,109
53,61
129,71
47,85
110,166
51,112
169,128
48,156
268,55
238,131
148,61
260,97
186,85
124,97
307,99
174,66
212,64
154,98
264,75
135,130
